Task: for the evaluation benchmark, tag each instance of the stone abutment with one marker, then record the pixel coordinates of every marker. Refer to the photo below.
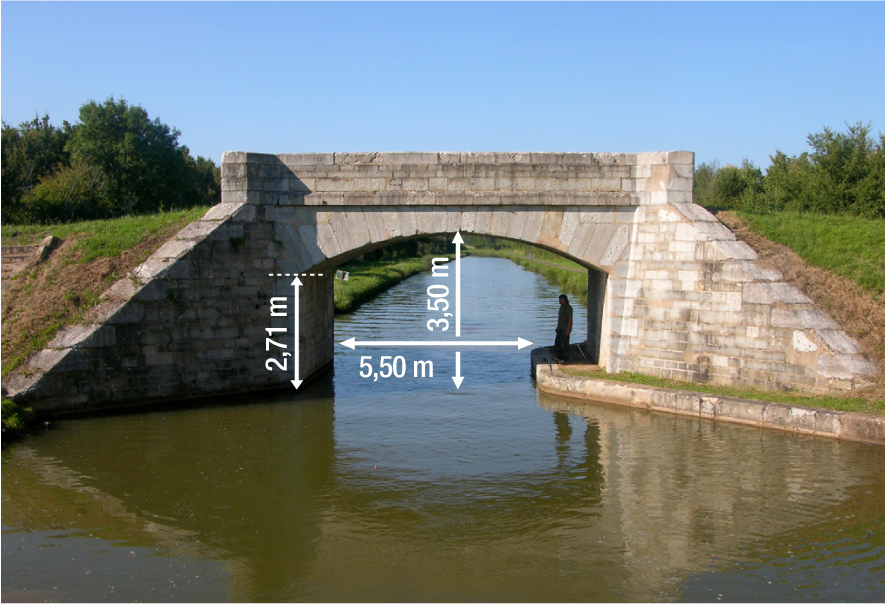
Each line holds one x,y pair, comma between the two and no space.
672,292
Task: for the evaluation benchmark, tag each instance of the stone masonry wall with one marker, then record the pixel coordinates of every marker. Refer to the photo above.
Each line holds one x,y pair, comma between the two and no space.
672,292
189,322
698,308
457,179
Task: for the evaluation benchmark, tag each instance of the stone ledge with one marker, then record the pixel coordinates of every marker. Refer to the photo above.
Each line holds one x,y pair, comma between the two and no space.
843,425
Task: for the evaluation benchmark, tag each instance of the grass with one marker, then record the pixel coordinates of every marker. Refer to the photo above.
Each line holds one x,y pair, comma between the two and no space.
368,279
563,274
100,238
837,403
847,245
73,297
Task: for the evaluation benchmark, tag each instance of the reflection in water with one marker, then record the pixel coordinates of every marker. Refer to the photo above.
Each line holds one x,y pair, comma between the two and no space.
409,489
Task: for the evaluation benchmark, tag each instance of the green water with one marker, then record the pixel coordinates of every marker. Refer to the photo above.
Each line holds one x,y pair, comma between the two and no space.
409,489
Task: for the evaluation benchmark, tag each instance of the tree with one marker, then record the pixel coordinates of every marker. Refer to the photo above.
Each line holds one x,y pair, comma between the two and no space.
844,173
736,187
142,166
841,166
116,161
704,177
29,153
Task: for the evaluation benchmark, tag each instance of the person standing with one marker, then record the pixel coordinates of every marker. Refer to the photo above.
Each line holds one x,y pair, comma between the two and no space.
563,330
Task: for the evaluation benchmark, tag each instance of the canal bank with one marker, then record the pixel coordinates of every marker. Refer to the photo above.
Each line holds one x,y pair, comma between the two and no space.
407,488
843,425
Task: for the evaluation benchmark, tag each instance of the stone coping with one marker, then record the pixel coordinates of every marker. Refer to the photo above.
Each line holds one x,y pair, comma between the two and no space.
843,425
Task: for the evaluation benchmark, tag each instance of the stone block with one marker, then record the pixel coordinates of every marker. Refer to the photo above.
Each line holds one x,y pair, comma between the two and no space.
833,367
350,159
678,184
839,341
391,224
733,250
744,411
398,159
175,248
295,160
123,289
617,246
714,230
424,217
696,213
408,223
863,428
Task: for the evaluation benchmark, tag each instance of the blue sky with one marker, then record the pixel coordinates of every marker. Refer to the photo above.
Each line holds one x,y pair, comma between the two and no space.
727,81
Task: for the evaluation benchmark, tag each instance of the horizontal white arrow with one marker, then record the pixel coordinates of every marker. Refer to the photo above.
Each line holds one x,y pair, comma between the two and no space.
352,343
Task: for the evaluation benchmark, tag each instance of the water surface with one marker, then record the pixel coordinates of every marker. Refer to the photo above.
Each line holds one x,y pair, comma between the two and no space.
409,489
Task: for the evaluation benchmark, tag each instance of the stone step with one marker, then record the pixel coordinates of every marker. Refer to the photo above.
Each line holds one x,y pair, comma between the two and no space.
15,259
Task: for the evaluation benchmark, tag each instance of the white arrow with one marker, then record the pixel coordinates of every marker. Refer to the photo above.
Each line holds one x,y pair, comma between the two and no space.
458,379
297,381
457,241
352,343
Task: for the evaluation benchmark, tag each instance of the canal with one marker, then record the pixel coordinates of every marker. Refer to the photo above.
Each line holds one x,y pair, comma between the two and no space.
407,488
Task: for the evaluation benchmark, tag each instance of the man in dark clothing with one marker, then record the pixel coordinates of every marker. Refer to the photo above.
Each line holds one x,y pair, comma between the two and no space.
563,329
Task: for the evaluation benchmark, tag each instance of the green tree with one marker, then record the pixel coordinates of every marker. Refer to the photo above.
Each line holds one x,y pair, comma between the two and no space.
70,193
116,161
841,179
143,168
736,187
30,152
704,178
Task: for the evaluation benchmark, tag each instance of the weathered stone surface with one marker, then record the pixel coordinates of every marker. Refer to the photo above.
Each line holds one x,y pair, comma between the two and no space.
674,294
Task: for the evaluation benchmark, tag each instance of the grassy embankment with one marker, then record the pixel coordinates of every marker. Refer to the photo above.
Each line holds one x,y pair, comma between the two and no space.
568,275
368,279
58,292
850,247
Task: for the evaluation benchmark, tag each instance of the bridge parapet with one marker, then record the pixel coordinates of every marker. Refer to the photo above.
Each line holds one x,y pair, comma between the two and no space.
458,179
671,291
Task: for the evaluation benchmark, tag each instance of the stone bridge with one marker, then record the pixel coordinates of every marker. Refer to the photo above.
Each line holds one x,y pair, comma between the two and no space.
672,293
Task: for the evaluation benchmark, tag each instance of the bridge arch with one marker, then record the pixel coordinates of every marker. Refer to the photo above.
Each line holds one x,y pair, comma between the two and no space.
316,241
677,295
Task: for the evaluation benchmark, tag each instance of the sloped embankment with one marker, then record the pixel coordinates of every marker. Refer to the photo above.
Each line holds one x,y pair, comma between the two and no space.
858,313
58,290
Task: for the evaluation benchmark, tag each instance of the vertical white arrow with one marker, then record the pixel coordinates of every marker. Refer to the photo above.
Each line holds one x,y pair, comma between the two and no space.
458,379
297,381
458,241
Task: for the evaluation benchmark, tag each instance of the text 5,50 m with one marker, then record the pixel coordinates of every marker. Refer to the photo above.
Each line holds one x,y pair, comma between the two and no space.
393,367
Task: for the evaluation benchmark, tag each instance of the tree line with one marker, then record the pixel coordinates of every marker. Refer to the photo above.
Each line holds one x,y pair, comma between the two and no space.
844,173
116,161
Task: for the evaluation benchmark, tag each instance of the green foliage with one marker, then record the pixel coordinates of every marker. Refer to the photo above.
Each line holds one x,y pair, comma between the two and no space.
30,152
71,192
412,248
843,174
381,269
369,278
850,246
116,161
570,276
16,419
704,178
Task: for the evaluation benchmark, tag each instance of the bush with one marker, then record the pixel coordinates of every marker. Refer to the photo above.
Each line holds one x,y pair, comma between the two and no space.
843,174
115,162
15,419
